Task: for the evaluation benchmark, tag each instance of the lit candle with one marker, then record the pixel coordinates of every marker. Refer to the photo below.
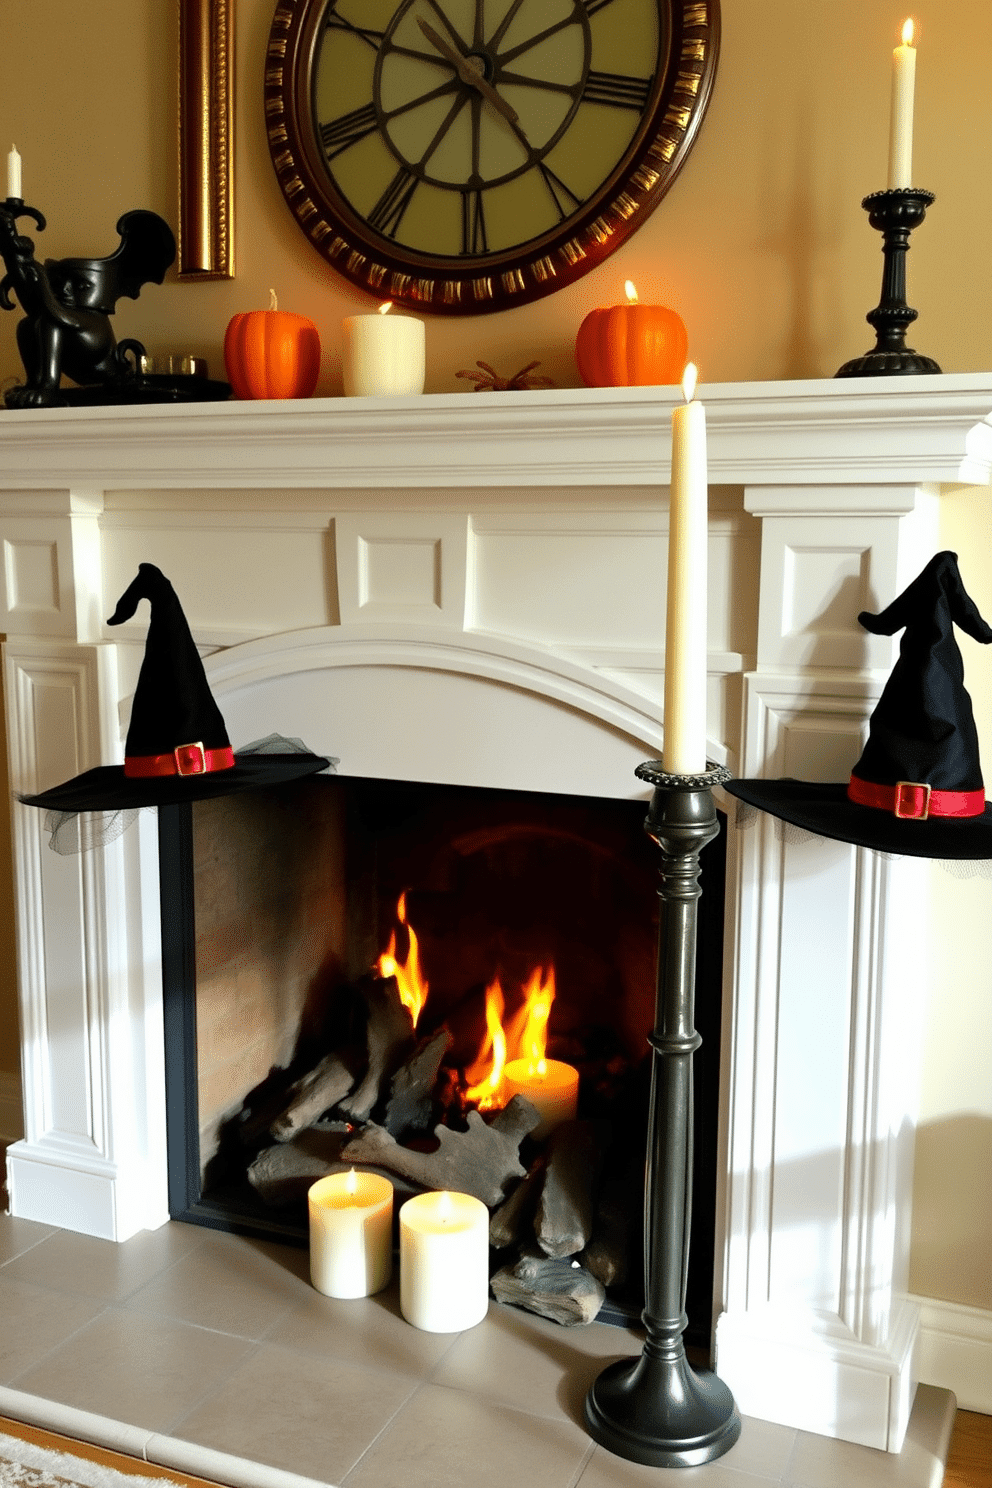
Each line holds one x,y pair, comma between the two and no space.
444,1261
550,1085
684,748
901,123
351,1234
13,173
384,355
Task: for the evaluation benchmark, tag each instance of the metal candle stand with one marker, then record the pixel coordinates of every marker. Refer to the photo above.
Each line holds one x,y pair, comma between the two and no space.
894,214
656,1409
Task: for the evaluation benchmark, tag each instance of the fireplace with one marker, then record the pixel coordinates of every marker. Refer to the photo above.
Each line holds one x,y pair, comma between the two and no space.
490,572
324,908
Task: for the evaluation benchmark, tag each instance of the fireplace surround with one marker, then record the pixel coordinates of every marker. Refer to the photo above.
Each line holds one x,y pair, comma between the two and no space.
490,571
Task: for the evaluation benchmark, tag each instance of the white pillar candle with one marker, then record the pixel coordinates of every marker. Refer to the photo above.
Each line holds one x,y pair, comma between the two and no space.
684,747
13,172
555,1091
351,1234
444,1261
901,121
384,355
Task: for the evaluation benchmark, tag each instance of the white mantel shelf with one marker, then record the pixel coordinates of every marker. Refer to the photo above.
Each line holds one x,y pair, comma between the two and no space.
931,430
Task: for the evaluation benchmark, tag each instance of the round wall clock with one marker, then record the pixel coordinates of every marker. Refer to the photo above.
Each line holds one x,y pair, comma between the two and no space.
464,156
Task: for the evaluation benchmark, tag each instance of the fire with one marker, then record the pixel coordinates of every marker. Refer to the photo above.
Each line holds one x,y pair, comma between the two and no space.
539,994
524,1037
486,1093
410,981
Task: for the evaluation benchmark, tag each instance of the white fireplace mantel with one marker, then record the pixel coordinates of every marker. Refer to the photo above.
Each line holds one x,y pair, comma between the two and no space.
936,431
491,569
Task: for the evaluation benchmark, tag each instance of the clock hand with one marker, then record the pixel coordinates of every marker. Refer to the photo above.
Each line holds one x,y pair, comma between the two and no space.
467,72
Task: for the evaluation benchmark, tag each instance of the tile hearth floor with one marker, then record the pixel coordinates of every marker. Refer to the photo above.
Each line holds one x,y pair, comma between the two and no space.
211,1354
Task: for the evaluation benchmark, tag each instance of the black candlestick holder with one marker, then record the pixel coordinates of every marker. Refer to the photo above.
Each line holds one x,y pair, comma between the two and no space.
656,1409
894,214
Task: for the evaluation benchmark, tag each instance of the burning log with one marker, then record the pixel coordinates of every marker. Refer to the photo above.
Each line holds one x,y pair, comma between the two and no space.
516,1215
567,1204
316,1092
411,1098
481,1161
389,1036
561,1290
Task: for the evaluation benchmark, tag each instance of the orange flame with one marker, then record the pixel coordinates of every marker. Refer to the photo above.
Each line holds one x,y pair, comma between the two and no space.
410,981
539,994
487,1092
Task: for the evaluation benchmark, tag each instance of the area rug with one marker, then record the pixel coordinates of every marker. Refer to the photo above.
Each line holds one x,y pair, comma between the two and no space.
24,1465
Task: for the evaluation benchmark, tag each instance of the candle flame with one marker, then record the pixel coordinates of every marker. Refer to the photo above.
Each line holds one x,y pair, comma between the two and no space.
444,1206
273,302
351,1182
907,32
630,292
689,377
409,975
385,308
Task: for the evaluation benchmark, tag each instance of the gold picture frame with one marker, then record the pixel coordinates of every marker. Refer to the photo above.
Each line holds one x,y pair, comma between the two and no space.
206,139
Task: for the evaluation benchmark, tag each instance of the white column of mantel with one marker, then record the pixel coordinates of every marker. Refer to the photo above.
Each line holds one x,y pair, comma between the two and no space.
92,1155
824,986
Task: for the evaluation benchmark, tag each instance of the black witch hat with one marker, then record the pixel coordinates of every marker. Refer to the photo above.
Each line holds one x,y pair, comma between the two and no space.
917,788
177,747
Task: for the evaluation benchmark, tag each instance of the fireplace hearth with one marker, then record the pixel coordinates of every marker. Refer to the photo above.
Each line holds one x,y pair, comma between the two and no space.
469,592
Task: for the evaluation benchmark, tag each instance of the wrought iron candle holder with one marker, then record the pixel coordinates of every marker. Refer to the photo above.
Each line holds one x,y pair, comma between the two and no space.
894,214
656,1409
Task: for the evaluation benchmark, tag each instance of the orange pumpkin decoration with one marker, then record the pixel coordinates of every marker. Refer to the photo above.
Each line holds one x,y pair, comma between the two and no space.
272,353
631,345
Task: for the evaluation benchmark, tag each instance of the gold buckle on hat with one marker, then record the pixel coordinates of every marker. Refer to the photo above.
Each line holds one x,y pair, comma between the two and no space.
901,799
191,759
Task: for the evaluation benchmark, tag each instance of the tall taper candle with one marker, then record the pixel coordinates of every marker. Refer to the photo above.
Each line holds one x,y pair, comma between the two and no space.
684,747
14,173
901,122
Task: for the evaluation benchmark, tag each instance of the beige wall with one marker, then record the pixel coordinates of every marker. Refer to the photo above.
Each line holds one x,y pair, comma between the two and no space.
762,247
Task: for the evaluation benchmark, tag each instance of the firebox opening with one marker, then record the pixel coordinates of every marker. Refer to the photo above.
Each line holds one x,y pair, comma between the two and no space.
310,899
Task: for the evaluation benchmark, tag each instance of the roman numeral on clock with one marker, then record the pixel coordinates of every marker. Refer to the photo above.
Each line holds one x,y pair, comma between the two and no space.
340,134
474,238
618,90
387,214
374,39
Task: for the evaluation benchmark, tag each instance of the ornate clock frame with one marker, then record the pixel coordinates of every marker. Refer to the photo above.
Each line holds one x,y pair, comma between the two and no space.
528,271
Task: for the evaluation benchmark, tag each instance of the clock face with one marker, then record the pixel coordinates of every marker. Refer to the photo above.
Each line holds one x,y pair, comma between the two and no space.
469,155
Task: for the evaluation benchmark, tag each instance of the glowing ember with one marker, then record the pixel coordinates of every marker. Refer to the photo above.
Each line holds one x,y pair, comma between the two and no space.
487,1093
410,981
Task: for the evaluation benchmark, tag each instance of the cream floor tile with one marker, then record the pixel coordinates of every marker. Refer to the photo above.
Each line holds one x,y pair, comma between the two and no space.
448,1439
103,1269
140,1370
530,1363
369,1331
19,1235
228,1282
605,1470
298,1412
34,1321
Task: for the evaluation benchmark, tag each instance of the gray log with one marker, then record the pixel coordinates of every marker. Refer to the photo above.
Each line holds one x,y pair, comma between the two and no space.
482,1161
312,1095
410,1100
282,1174
566,1207
561,1290
389,1037
608,1253
515,1216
